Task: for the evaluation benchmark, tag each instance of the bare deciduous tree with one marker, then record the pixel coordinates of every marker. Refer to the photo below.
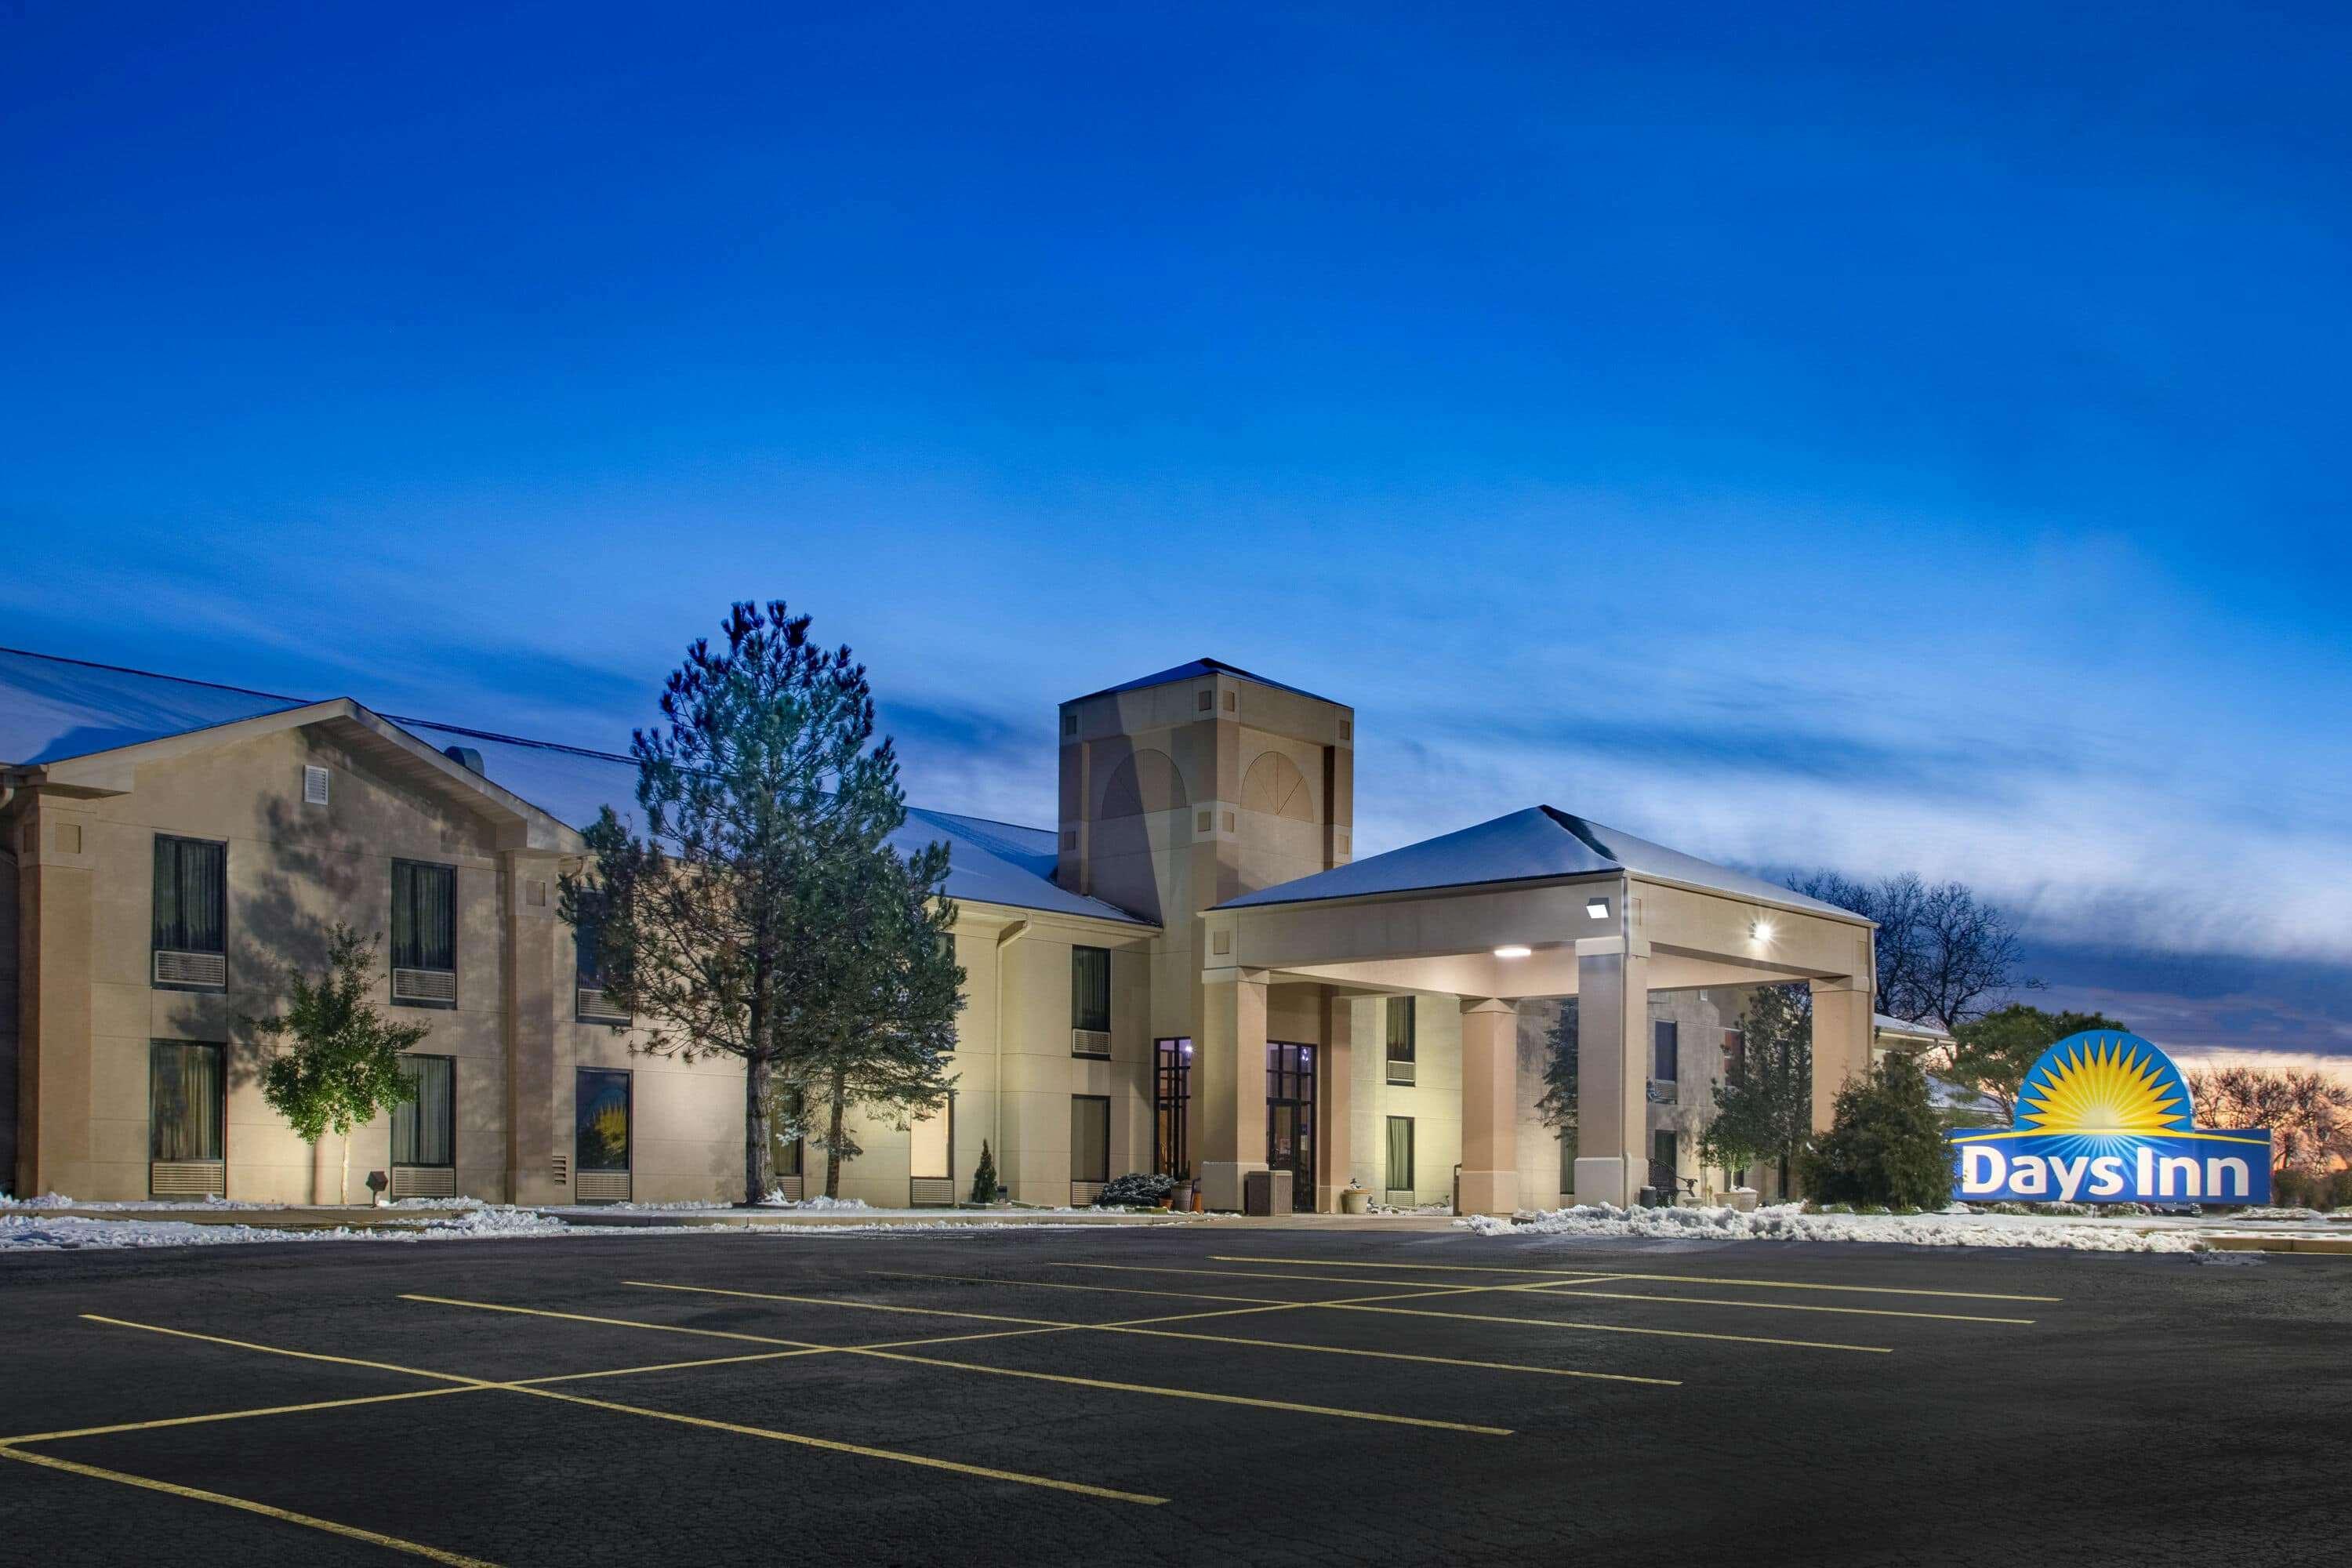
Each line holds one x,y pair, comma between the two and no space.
2308,1113
1942,951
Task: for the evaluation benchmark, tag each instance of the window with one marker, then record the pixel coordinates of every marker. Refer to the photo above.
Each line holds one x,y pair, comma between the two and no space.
1662,1158
1091,1137
423,917
186,1101
601,1117
1735,1053
1090,990
191,916
931,1144
1567,1161
1668,1036
1400,1039
1172,1104
1400,1153
425,1130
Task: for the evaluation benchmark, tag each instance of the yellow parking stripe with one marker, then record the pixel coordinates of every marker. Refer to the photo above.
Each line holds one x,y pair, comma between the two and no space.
1577,1287
1673,1279
800,1439
1157,1389
1137,1326
246,1505
1370,1304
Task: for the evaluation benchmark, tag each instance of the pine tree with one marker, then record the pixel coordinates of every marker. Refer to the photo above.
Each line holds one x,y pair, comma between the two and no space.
983,1181
1558,1105
1885,1146
333,1062
763,913
1764,1107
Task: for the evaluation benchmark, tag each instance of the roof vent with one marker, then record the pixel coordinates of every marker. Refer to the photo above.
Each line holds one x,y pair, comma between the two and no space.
466,758
314,785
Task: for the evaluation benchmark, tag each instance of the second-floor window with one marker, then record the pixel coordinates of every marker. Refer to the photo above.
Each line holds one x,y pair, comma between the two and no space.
1400,1039
191,921
1090,1000
1667,1036
423,933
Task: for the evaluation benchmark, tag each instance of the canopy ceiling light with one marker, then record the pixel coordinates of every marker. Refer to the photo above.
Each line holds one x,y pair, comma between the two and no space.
1597,907
1760,930
1513,950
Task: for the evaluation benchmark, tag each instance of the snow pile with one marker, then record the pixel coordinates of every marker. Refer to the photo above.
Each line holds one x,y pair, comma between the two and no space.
1788,1222
2286,1214
60,1201
778,1201
30,1232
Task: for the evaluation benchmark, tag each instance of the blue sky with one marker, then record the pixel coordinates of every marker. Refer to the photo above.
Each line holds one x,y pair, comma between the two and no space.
1879,437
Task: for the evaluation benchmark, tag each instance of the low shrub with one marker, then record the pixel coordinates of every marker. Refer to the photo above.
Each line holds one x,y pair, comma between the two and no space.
1137,1189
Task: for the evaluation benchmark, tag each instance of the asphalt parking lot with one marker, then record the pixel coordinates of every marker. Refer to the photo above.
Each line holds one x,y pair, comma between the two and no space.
1168,1396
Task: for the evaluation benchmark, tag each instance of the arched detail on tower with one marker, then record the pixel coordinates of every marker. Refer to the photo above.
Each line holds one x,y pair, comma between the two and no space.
1145,781
1274,786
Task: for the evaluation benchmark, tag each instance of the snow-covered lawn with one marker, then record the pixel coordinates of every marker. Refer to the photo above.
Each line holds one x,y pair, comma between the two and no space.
1788,1222
36,1232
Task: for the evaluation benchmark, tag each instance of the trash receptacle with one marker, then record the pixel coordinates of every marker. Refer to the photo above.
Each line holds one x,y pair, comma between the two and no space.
1265,1193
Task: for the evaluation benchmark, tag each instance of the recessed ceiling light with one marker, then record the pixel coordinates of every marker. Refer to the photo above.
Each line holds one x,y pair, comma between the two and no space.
1513,950
1597,907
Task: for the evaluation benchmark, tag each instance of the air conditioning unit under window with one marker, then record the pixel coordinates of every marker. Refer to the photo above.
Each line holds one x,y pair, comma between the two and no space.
1090,1042
424,986
593,1004
190,968
1399,1073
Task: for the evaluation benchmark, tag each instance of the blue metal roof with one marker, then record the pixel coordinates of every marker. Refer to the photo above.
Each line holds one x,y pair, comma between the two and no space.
52,709
1195,671
1539,843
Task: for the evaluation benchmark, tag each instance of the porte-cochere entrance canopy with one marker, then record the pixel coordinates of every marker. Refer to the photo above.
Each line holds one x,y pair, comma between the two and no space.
1538,903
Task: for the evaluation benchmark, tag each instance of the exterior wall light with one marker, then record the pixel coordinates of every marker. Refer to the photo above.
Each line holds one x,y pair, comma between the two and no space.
1513,950
1760,930
1597,907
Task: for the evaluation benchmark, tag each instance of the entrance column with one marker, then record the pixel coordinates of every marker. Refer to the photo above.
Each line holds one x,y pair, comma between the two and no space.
1490,1106
1841,1041
1229,1058
1334,1085
1612,1078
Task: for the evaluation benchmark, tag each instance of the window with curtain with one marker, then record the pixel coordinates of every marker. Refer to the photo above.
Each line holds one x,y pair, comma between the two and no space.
1400,1034
425,1130
424,916
191,895
1089,1137
1735,1053
1091,988
1401,1154
600,1109
187,1103
1668,1036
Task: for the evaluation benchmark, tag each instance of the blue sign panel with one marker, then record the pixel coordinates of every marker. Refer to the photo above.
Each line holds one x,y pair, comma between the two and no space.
2105,1118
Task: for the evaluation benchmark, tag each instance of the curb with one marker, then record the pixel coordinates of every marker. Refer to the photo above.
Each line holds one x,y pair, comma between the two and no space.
2337,1246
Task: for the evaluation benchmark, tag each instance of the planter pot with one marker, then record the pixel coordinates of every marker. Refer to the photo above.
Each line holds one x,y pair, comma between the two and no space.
1355,1200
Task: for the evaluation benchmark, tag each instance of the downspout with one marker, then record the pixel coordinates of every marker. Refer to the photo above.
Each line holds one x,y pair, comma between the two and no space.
1005,939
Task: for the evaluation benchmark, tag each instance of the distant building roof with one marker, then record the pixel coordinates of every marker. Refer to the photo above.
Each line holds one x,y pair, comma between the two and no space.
1538,843
52,709
1887,1024
1194,671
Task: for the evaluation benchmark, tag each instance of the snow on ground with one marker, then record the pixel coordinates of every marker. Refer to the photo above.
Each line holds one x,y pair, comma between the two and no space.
35,1233
1788,1222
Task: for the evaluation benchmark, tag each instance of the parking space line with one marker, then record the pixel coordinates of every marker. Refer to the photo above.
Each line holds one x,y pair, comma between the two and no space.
1371,1304
1675,1279
1137,1326
246,1505
800,1439
1579,1286
1071,1380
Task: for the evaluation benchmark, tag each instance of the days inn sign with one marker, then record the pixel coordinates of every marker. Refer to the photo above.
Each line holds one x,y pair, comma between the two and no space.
2104,1117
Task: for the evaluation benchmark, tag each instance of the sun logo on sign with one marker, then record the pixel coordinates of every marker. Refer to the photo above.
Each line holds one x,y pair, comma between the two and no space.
2105,1084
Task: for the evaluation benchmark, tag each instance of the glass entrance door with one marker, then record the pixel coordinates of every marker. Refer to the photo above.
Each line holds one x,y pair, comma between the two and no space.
1290,1119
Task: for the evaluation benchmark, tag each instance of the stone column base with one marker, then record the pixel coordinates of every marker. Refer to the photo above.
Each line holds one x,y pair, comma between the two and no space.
1490,1192
1606,1181
1221,1183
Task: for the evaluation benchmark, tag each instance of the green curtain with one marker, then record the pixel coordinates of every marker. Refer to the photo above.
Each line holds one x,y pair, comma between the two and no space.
191,895
424,1131
1400,1153
424,916
1401,1028
1091,988
185,1101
